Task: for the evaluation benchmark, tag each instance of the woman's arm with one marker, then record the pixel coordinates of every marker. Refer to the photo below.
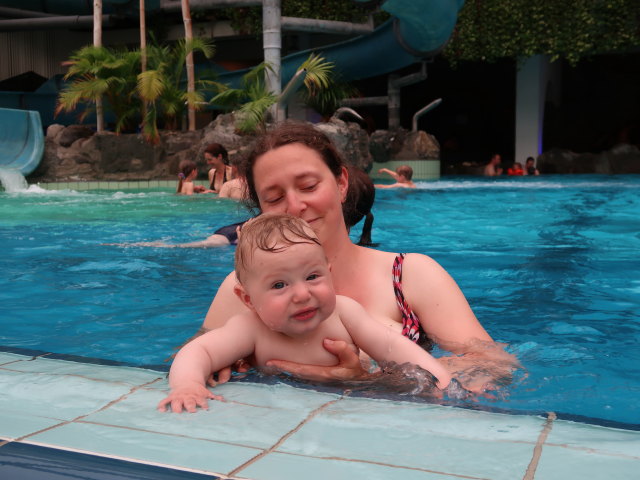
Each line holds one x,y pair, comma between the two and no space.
447,318
443,310
384,344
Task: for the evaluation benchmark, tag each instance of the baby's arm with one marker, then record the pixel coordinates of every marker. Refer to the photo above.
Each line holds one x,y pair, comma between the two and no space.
383,344
202,356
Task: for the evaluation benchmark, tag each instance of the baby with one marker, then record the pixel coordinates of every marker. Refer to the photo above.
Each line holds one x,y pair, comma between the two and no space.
284,279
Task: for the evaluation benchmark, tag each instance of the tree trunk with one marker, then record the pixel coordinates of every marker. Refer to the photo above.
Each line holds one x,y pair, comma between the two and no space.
143,56
97,42
191,83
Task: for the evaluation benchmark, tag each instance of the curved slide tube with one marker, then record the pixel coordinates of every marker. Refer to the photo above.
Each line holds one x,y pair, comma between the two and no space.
21,140
419,29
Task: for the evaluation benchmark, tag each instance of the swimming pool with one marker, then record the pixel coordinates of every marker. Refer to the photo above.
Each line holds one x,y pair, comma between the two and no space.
549,265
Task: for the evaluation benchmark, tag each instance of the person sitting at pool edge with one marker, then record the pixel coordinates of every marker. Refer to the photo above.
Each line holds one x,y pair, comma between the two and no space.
402,176
284,279
294,168
187,174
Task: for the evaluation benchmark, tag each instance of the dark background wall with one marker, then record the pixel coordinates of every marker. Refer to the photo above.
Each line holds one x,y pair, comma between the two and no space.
590,107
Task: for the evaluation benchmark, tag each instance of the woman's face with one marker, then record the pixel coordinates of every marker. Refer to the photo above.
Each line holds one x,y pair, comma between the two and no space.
294,179
213,160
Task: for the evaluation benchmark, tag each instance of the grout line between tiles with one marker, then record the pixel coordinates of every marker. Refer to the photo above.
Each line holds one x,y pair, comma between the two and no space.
172,435
390,465
25,359
80,417
537,450
283,438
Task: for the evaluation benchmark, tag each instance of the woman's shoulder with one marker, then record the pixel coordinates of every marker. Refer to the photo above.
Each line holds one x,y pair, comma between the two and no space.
419,262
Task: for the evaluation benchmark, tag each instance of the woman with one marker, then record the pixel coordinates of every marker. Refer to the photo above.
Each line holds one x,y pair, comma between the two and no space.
296,169
220,172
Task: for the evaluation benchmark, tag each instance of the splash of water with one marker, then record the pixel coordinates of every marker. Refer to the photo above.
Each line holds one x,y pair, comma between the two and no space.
12,180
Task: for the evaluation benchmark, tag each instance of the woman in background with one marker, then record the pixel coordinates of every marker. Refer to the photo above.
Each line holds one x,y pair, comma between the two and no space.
220,172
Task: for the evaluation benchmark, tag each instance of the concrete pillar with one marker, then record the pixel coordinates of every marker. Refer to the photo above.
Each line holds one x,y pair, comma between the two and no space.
393,91
272,44
531,86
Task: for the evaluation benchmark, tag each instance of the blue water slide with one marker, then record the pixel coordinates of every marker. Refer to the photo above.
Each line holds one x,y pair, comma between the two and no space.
418,29
21,140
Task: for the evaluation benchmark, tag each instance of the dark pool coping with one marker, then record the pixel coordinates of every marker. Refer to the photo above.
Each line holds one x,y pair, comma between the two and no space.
34,462
255,377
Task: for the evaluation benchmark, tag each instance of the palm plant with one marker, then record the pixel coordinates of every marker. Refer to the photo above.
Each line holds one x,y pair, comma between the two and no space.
96,72
252,100
162,85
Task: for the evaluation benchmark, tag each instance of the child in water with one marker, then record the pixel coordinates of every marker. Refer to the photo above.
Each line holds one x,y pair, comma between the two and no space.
402,176
284,279
187,174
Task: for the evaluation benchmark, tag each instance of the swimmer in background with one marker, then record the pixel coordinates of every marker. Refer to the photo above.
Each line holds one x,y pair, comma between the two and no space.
236,188
220,172
284,279
402,176
530,167
493,168
357,205
188,171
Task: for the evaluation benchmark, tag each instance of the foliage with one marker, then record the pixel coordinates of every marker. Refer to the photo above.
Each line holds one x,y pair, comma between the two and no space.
102,72
249,19
325,90
252,100
162,87
488,30
160,92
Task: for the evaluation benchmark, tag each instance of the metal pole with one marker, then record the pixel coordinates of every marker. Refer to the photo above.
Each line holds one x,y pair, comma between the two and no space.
422,111
97,42
272,44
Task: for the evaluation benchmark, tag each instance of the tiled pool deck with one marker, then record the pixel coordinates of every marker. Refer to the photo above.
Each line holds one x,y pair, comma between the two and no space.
422,170
58,415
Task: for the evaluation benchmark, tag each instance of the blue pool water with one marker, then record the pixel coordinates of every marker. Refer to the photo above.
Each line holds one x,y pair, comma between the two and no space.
549,265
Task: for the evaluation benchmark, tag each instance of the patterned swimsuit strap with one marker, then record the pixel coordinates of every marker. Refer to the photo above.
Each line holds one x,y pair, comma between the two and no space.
410,324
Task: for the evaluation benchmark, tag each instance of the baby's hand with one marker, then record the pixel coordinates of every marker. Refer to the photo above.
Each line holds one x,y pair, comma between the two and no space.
188,398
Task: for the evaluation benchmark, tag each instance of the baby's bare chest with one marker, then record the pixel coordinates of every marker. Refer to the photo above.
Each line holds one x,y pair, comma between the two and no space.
308,350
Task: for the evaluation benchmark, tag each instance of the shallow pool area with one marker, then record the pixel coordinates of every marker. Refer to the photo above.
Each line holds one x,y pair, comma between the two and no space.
548,264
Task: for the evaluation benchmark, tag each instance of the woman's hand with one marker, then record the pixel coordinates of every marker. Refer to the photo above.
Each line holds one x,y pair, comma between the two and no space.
224,375
348,367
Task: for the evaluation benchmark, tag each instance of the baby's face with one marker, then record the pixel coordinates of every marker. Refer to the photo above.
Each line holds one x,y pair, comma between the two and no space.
291,291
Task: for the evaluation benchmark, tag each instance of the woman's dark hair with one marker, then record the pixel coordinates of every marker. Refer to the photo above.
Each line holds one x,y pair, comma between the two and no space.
359,202
216,149
288,133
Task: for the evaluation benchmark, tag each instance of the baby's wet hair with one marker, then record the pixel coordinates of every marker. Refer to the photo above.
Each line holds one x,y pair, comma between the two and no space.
270,233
